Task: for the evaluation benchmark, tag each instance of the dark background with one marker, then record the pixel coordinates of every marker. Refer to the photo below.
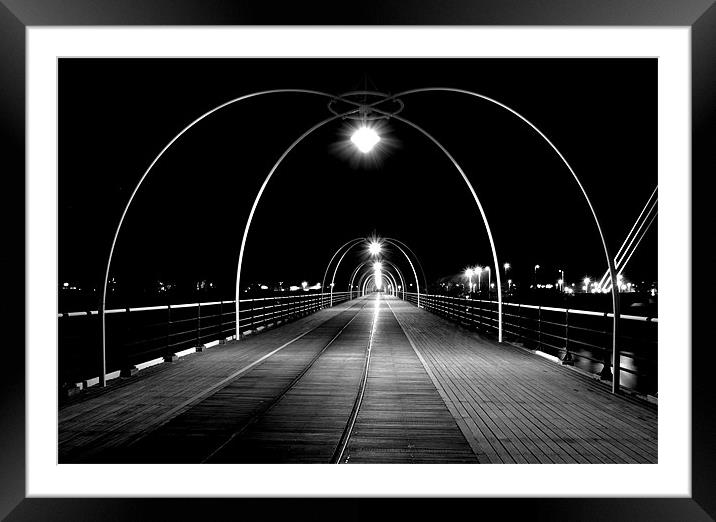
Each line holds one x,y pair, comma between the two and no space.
186,223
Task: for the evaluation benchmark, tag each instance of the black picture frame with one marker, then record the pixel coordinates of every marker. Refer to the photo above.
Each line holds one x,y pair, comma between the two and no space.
17,15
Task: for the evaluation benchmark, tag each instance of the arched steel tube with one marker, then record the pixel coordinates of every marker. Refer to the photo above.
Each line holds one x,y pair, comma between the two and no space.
103,370
328,266
258,198
607,254
415,257
355,272
369,273
394,242
358,268
479,206
367,281
417,284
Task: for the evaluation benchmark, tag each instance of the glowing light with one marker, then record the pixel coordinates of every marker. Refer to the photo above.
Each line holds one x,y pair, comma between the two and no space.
365,139
507,266
536,267
264,287
469,272
374,248
304,284
478,269
377,267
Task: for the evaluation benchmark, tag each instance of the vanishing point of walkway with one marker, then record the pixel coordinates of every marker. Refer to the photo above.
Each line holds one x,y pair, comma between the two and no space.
372,380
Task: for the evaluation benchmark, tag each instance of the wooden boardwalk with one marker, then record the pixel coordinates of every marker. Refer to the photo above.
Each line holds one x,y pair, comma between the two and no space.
392,384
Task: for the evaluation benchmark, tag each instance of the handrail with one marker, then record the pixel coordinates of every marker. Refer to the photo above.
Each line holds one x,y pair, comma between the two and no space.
576,337
150,333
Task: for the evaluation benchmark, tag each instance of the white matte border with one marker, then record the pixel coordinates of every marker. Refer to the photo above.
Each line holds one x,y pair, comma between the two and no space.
670,477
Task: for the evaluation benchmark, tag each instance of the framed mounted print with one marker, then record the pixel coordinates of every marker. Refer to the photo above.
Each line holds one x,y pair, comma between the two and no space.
454,260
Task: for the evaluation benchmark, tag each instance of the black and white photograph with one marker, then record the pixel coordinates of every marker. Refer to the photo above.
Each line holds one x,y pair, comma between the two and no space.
358,261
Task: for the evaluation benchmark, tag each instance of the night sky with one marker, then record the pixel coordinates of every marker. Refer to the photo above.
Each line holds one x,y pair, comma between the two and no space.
187,221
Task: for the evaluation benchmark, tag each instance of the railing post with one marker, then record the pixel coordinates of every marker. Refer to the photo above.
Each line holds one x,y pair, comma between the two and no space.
221,322
198,323
567,359
539,326
519,322
606,373
169,330
128,369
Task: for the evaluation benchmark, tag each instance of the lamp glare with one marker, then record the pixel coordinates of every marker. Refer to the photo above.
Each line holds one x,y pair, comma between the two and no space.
365,139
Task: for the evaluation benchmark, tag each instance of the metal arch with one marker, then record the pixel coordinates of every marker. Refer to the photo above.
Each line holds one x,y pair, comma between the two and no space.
368,279
417,284
103,373
417,260
359,267
325,274
479,206
610,259
355,272
368,274
258,197
391,241
333,279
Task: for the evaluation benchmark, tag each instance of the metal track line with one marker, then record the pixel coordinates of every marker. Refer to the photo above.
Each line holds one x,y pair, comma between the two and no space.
160,420
343,444
254,418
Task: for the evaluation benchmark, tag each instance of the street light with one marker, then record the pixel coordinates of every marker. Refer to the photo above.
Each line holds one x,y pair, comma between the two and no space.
536,268
374,248
489,281
507,266
469,273
586,284
561,279
478,271
365,139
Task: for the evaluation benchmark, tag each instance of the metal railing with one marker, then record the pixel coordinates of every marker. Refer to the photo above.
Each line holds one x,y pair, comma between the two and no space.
578,337
142,334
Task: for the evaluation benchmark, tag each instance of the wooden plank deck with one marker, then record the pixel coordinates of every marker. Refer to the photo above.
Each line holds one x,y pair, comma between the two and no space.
514,406
100,421
403,419
435,392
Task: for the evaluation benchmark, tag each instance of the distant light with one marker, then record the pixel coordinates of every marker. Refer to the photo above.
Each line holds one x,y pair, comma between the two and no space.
536,267
264,287
507,266
478,269
365,139
304,284
492,285
374,248
509,281
559,281
293,288
549,285
469,272
587,280
65,285
378,265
